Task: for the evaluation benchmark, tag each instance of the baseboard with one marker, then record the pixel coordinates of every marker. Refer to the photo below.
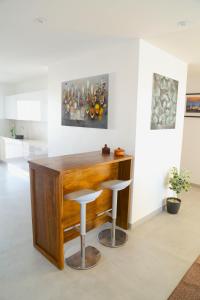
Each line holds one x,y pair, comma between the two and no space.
146,218
153,214
195,184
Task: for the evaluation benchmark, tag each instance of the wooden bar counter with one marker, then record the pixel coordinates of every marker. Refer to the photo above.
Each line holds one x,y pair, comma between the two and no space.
52,178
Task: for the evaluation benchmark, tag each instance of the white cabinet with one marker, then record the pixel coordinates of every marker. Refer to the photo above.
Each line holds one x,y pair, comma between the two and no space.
10,107
28,110
27,106
12,148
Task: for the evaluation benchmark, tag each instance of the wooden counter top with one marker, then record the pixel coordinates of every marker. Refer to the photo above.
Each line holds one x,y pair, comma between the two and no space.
67,163
54,217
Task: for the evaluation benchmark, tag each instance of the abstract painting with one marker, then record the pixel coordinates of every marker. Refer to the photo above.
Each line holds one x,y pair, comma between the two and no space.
85,102
164,102
192,105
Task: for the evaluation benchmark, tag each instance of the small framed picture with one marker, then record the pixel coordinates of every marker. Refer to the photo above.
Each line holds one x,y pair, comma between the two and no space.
192,105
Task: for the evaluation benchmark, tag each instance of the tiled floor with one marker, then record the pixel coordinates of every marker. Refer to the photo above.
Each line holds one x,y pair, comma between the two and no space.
148,267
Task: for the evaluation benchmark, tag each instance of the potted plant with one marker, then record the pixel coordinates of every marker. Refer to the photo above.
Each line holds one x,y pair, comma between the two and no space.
12,131
178,182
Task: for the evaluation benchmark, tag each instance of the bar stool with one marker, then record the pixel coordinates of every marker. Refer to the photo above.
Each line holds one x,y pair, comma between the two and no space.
114,237
88,256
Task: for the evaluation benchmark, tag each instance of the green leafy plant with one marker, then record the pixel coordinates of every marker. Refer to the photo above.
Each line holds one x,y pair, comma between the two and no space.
12,131
179,181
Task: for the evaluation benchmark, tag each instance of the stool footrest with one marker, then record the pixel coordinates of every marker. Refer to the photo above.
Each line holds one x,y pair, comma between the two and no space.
75,227
106,212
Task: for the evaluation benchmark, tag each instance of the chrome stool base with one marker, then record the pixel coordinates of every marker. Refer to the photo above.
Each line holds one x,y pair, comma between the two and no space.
92,256
105,238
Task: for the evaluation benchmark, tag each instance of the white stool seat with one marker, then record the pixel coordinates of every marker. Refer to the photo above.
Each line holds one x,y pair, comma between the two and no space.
117,185
83,196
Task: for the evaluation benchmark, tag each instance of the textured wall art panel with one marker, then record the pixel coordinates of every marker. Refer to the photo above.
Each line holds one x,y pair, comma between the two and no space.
164,102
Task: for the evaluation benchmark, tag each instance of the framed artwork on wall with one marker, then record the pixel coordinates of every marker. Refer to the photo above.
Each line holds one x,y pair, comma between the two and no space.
192,105
164,102
85,102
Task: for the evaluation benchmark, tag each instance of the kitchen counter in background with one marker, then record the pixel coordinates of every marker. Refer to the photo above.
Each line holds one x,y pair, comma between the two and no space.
14,148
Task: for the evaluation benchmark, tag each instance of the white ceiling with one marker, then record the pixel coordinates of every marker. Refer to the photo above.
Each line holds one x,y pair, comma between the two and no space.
27,47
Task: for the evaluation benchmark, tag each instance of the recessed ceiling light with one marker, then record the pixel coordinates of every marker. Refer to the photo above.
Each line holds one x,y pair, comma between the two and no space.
183,23
40,20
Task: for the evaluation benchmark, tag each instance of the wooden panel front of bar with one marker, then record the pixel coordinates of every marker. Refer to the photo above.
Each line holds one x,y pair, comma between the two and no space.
52,178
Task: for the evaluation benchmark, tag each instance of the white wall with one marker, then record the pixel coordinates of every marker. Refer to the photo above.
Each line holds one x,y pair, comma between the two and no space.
122,64
193,81
34,84
191,142
31,130
5,89
156,150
